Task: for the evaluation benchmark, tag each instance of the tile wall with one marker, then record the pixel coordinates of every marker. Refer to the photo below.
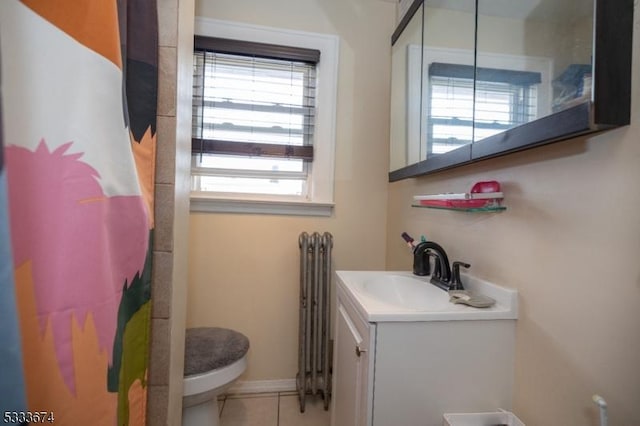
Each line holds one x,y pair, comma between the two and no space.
171,210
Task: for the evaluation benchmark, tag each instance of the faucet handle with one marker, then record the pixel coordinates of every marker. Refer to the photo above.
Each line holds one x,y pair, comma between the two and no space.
456,283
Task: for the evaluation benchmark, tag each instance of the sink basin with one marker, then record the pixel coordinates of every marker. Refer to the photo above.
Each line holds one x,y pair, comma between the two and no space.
383,296
407,292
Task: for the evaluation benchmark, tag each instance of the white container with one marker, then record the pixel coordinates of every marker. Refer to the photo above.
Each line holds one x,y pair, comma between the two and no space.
482,419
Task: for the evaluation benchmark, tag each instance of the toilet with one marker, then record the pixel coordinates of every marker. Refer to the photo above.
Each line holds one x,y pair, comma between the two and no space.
214,358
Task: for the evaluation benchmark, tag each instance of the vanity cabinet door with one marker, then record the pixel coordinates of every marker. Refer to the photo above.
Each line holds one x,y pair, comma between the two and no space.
351,396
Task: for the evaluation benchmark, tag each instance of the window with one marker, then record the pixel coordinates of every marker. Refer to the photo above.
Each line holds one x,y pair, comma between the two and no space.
502,99
260,143
252,119
516,86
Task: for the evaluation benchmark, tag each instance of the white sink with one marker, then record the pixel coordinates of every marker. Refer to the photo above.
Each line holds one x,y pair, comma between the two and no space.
402,296
405,292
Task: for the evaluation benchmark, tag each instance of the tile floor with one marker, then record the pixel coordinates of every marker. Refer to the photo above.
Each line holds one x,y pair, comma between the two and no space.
272,409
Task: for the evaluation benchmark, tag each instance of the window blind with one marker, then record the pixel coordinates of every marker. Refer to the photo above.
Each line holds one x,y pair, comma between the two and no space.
521,78
461,112
251,103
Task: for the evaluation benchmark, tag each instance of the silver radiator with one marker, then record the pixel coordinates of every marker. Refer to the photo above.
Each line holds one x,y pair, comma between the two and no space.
314,357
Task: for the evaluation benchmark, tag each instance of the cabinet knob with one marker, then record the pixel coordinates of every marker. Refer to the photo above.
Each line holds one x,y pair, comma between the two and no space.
359,351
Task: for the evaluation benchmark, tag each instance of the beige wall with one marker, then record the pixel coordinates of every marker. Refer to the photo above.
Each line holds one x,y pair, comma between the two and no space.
243,269
569,241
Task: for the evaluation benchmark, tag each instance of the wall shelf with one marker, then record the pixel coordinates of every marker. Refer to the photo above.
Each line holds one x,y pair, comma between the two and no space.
483,197
490,209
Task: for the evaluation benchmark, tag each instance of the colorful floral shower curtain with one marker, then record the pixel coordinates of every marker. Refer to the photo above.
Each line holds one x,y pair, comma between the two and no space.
79,91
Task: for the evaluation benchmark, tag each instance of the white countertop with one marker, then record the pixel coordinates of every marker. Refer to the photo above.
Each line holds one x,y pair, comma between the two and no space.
373,309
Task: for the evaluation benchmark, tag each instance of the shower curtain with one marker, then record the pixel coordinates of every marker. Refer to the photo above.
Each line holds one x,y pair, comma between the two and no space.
79,89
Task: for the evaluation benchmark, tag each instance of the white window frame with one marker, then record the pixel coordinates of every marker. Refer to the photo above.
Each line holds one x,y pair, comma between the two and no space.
319,200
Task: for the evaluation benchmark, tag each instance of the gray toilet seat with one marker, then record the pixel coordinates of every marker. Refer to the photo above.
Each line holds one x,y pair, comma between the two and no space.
211,348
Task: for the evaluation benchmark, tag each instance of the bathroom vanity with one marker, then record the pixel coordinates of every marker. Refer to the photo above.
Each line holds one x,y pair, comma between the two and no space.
404,355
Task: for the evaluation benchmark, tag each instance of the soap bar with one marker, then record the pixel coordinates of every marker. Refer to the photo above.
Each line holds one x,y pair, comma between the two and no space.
468,298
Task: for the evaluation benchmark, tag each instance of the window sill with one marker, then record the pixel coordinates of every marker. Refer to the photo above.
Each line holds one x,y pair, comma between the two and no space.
209,204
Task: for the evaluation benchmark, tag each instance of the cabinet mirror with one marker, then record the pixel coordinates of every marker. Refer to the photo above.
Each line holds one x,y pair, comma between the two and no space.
406,75
499,76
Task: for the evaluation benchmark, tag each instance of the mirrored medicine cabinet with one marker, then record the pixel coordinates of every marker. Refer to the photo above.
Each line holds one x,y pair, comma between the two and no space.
476,79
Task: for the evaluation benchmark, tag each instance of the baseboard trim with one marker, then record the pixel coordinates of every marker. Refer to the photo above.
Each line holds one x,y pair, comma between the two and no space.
263,386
